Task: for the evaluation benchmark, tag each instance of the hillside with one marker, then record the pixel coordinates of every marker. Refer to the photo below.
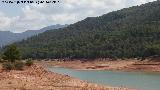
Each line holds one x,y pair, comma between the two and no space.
7,37
130,32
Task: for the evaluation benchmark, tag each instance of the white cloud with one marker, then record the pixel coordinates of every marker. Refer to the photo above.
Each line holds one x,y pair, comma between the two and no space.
4,21
36,16
138,2
32,14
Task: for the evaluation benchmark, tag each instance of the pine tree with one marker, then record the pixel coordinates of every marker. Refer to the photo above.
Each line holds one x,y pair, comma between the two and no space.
11,54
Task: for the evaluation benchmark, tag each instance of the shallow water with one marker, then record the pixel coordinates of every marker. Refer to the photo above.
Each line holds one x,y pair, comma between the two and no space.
138,80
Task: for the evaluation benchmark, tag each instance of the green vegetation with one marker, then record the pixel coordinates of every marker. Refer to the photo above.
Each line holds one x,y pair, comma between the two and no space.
11,59
127,33
19,65
8,66
11,54
1,60
29,62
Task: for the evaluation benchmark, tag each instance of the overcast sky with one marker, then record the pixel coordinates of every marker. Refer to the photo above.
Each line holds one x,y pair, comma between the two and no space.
19,18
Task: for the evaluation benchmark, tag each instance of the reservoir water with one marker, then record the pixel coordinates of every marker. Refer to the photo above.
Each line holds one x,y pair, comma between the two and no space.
137,80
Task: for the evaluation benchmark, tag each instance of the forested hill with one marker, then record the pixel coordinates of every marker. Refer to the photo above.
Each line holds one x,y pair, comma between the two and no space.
130,32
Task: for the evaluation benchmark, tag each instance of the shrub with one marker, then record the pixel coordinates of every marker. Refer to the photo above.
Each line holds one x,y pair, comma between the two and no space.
11,54
1,60
8,66
29,62
19,65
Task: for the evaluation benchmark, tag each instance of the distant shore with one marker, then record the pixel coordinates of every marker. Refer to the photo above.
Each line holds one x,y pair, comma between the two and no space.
147,65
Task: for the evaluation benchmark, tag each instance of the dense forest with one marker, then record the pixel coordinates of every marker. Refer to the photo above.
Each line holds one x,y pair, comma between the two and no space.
127,33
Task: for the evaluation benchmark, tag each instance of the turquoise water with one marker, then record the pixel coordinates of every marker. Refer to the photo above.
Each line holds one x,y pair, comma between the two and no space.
138,80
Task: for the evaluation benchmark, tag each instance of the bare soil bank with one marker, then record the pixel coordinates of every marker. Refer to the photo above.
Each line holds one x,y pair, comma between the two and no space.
148,65
37,78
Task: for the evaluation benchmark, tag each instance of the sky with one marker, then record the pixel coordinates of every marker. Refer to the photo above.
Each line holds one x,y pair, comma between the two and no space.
22,17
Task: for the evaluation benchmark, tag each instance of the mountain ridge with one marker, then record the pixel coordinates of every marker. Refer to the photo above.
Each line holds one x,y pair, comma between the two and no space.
8,37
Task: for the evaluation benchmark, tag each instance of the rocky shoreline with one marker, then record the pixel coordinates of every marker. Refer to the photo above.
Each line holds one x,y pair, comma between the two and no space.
37,78
111,65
